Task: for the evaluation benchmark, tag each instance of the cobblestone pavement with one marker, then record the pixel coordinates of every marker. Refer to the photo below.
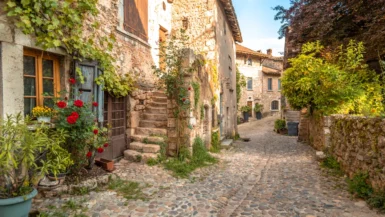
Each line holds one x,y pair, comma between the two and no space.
272,175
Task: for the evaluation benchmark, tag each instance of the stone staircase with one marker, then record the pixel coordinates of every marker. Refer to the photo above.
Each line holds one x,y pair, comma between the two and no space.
152,126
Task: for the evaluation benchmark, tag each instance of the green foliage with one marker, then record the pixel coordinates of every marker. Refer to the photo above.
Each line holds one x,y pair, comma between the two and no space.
258,107
331,163
240,83
129,190
279,124
245,109
236,136
359,186
56,23
200,158
202,112
377,200
184,154
332,82
22,152
197,93
215,143
152,162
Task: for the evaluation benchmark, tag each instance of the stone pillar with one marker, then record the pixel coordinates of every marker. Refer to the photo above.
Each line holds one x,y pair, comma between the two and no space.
11,79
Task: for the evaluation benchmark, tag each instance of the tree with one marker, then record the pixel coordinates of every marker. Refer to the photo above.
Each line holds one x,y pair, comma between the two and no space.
332,81
334,22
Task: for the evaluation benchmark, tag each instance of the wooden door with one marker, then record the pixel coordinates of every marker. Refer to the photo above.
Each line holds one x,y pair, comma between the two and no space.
115,117
250,103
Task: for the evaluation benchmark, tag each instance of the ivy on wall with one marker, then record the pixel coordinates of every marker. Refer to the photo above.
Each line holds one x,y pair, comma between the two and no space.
60,24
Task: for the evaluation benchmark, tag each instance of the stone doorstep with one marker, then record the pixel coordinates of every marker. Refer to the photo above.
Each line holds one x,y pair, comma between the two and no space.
159,94
150,139
159,99
155,110
153,124
155,117
149,131
146,148
131,155
158,104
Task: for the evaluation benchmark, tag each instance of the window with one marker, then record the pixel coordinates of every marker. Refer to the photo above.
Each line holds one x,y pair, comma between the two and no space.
136,17
249,83
275,105
250,61
269,84
41,79
279,84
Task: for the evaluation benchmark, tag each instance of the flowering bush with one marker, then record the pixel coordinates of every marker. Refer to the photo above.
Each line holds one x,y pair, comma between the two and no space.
42,111
85,137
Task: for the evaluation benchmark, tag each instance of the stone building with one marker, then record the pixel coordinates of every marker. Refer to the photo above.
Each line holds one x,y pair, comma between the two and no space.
262,73
138,26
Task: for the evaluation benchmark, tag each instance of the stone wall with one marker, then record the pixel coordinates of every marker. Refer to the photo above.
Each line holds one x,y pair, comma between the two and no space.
269,96
358,144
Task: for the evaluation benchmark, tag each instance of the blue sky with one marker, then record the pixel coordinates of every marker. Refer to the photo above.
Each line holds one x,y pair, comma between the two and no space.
259,29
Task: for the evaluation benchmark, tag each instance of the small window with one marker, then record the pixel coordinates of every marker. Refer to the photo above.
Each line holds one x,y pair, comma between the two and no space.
279,84
275,105
41,79
249,83
269,84
250,62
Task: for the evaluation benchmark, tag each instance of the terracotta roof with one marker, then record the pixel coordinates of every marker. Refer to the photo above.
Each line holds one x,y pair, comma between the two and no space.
232,18
244,50
271,71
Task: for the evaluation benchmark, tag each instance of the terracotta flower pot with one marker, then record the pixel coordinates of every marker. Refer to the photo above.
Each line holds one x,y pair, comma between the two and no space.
107,165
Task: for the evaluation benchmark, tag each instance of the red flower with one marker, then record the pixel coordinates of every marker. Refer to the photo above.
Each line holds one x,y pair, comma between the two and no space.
105,145
95,104
100,150
89,154
75,114
184,99
189,88
61,104
96,131
72,81
78,103
71,119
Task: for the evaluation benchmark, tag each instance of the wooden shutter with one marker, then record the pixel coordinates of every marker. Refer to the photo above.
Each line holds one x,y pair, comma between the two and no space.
136,17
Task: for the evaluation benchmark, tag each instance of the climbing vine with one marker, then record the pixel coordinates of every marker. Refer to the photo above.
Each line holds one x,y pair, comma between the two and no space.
197,93
60,24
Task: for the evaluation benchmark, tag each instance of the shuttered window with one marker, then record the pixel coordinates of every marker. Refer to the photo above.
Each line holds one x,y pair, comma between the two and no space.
269,84
136,17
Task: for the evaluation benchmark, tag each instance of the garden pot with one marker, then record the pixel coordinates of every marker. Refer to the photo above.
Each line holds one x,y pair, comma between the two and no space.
44,119
245,116
107,165
258,115
17,206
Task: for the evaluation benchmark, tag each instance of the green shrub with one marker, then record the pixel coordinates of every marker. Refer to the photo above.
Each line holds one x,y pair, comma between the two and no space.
215,143
377,200
331,163
245,109
152,162
358,185
184,153
279,124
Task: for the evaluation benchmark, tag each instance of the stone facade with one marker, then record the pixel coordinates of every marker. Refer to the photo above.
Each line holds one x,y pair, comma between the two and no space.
358,143
259,68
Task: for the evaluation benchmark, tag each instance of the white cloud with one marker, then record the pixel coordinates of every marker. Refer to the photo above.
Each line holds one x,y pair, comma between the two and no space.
265,43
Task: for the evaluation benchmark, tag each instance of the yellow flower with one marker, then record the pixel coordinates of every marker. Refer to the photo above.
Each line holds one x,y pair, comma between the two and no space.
40,111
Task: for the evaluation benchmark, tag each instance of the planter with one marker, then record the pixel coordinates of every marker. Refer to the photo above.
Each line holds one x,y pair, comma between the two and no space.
245,116
59,176
258,115
283,131
44,119
17,206
107,165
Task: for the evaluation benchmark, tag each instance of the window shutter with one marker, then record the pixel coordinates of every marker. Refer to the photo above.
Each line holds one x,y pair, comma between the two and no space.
136,17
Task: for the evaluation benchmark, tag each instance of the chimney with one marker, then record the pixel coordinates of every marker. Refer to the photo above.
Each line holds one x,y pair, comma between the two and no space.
269,52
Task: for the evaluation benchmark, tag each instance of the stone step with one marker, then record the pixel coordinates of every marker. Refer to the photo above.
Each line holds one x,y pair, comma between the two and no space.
150,131
148,139
155,117
144,148
159,94
135,156
152,124
159,99
155,110
158,104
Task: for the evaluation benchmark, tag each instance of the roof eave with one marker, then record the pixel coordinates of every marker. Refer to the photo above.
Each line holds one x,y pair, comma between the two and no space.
233,21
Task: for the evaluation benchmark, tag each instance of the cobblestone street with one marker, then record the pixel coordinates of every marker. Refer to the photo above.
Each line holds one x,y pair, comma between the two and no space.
272,175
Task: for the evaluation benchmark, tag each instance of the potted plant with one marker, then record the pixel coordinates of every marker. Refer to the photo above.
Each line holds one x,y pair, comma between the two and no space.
22,163
258,108
280,126
42,113
245,110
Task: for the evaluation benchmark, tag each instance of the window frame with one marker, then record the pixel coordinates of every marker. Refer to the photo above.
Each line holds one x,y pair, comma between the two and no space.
279,84
269,84
271,105
39,57
247,83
